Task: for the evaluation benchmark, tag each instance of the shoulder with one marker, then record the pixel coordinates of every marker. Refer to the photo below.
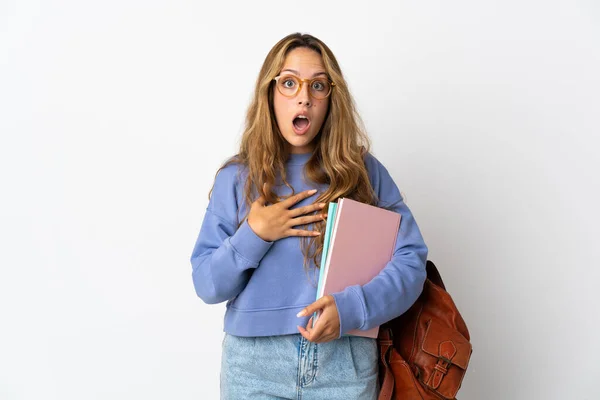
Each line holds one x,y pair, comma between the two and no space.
375,168
228,171
229,174
227,190
382,182
371,162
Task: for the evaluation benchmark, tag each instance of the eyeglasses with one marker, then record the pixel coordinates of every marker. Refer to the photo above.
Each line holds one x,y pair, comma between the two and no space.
290,85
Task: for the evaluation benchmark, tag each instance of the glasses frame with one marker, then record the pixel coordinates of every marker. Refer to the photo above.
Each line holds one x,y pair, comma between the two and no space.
299,88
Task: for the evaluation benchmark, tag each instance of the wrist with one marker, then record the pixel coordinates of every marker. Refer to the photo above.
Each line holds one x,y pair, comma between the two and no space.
253,226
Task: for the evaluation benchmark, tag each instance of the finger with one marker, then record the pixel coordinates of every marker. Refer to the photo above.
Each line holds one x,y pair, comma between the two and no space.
306,209
304,332
316,306
307,332
301,232
317,332
290,201
306,220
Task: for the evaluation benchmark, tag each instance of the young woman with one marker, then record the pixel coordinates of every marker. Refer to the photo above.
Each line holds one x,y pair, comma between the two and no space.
262,237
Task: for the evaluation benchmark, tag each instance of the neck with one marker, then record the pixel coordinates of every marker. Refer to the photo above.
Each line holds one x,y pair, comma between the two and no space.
298,158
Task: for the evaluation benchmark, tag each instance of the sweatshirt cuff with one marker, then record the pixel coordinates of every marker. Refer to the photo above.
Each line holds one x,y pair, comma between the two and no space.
350,309
249,245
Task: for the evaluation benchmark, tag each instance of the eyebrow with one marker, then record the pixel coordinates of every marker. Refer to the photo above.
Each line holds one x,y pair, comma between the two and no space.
298,73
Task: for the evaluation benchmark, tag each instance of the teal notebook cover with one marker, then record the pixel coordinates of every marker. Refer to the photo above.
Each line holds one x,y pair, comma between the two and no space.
328,230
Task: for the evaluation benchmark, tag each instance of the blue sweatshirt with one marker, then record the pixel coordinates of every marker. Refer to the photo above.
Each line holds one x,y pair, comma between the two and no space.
265,284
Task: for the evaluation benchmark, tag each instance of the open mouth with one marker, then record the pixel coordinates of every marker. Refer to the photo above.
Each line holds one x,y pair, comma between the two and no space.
301,124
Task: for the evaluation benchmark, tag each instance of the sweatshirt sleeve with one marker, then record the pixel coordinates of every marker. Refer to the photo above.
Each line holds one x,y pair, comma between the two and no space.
394,290
224,256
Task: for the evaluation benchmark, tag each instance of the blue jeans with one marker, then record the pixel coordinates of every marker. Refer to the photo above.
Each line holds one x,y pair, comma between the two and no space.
290,367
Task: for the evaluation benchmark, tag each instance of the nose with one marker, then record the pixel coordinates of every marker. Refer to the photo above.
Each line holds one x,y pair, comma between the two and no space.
304,96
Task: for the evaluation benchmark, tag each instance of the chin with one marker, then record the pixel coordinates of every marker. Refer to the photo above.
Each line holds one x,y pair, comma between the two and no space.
299,141
301,145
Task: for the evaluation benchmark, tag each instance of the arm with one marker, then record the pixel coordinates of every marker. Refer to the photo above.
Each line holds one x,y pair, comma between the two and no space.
223,258
398,285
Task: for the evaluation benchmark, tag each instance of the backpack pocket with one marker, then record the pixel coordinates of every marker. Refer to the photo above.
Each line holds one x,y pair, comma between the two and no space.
444,359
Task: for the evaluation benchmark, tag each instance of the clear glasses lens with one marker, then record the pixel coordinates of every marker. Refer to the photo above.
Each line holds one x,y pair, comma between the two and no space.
288,86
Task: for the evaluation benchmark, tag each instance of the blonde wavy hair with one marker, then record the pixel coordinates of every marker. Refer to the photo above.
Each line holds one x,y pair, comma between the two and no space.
340,146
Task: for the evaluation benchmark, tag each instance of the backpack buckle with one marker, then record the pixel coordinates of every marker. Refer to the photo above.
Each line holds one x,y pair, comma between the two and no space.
440,369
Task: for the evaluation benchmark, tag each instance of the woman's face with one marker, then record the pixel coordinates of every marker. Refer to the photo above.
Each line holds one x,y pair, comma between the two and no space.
299,132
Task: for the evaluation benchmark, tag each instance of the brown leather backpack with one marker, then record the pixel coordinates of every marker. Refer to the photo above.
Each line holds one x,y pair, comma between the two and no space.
424,353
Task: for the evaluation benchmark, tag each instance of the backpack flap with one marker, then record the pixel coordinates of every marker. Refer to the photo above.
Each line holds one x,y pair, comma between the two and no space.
450,352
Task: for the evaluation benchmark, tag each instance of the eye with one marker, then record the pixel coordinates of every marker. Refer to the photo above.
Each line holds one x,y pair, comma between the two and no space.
318,85
288,83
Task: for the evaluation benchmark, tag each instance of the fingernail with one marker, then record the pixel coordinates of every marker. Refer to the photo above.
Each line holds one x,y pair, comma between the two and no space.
322,204
301,314
312,191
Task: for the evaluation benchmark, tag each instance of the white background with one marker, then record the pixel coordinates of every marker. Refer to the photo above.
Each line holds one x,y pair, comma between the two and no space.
115,115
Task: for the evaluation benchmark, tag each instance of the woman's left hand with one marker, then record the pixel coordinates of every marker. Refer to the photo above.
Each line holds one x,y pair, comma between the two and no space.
327,327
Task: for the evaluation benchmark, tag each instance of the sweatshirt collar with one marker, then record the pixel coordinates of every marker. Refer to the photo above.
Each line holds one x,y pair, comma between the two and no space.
298,159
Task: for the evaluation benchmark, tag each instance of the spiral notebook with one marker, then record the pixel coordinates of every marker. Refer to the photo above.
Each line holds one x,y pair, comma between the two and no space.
359,242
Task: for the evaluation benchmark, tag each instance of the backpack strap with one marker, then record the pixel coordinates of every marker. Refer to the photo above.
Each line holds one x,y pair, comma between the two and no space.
385,345
434,275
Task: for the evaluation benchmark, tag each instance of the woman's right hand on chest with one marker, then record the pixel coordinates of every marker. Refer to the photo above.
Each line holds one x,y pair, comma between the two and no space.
277,221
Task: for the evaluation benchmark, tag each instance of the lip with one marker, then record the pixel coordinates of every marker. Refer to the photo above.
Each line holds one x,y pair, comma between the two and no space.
306,128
